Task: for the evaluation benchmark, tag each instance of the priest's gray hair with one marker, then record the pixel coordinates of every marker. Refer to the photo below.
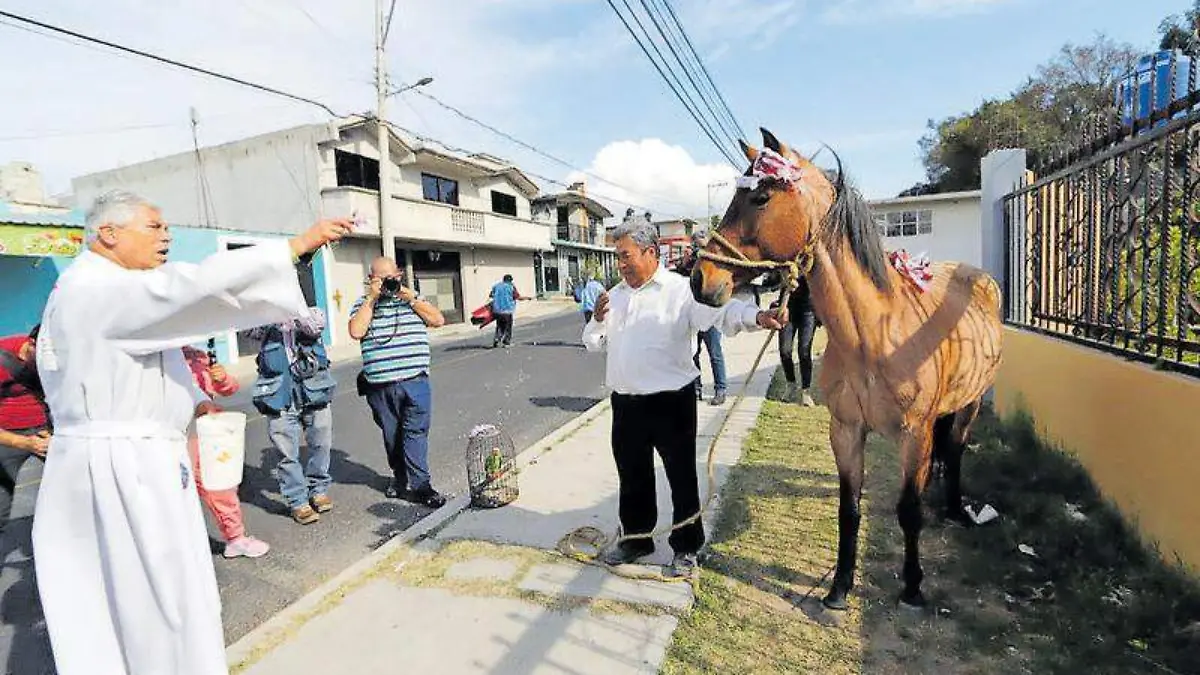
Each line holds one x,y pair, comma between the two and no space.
639,229
116,207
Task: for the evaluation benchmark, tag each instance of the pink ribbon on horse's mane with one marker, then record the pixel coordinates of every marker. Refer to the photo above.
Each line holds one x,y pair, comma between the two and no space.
914,268
771,164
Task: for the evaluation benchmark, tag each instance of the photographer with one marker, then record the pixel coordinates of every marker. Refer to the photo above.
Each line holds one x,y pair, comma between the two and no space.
392,323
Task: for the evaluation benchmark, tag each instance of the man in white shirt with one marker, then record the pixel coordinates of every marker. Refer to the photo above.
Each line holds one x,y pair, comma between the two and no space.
123,565
647,324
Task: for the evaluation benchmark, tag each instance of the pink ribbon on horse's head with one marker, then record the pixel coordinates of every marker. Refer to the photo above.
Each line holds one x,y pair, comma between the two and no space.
771,164
916,268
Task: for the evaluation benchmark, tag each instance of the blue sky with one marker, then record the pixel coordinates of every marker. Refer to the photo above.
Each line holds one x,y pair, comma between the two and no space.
863,76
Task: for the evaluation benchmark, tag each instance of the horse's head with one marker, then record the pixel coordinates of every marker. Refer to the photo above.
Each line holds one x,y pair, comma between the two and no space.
779,203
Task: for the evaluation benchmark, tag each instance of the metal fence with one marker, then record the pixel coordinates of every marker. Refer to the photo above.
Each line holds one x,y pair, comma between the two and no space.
1104,248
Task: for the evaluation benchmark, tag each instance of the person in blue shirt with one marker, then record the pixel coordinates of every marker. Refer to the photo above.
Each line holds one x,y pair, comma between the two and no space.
587,298
504,297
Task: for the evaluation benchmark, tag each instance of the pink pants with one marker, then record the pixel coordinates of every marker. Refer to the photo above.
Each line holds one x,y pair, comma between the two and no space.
224,504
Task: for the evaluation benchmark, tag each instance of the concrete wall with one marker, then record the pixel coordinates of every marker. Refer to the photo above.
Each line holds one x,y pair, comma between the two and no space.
955,234
266,183
348,269
1001,171
1135,429
481,268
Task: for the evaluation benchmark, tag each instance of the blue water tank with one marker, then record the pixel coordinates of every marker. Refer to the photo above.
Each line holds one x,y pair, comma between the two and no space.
1151,86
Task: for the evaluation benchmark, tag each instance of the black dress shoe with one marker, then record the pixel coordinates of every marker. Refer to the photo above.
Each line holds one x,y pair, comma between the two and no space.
627,552
426,497
395,489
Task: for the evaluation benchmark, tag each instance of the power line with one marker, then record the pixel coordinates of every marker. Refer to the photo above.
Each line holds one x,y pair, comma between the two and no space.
707,132
704,69
387,25
655,15
539,151
171,62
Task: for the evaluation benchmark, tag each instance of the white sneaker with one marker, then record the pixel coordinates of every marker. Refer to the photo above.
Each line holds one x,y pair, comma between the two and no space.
246,547
806,400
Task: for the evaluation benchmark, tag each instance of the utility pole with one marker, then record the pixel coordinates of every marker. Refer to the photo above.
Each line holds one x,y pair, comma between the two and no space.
386,235
709,225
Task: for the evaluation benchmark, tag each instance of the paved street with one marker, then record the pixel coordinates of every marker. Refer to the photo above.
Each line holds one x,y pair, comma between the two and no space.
542,382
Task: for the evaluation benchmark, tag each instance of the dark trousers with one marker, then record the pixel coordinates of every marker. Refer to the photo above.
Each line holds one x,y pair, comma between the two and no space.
802,327
587,316
403,410
11,461
665,422
504,326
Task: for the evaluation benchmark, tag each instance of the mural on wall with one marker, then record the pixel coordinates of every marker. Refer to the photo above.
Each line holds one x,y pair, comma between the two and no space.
40,240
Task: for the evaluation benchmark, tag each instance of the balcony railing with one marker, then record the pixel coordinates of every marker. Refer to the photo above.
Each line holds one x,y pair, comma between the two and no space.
576,233
467,222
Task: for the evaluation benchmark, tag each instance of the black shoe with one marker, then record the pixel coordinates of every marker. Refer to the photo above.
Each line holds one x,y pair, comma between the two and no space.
426,497
395,489
627,552
685,565
718,399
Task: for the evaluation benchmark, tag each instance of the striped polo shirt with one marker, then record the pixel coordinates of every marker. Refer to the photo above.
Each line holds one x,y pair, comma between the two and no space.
396,346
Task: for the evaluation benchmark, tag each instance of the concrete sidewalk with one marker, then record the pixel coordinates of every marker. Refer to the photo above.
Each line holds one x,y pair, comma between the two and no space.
484,591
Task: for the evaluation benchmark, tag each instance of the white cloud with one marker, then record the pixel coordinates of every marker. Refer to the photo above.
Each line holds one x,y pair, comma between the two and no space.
651,173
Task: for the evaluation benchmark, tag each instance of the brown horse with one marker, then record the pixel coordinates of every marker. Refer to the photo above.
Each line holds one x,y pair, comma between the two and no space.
912,365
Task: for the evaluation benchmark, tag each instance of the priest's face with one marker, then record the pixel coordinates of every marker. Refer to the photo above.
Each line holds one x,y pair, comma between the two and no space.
140,244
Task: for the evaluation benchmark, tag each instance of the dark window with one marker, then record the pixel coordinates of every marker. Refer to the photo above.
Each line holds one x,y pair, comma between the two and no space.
504,204
356,171
438,189
563,214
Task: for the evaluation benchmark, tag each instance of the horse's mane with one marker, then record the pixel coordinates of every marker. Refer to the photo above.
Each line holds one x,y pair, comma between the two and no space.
849,220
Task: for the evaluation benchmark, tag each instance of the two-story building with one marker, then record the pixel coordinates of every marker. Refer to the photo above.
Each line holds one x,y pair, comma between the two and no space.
461,221
674,239
578,236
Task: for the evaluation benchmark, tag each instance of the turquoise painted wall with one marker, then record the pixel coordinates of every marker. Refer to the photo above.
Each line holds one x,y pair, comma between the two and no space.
25,283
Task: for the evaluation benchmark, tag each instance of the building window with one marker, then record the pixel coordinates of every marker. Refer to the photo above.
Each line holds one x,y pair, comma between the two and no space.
355,170
438,189
904,223
504,204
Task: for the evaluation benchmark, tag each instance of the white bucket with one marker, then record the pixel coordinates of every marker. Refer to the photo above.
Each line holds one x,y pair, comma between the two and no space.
222,441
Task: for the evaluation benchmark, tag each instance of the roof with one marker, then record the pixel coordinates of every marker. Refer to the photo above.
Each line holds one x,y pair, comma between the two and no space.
19,214
566,198
926,199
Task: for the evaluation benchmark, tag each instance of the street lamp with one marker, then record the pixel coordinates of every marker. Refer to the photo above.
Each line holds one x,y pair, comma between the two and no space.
720,183
419,83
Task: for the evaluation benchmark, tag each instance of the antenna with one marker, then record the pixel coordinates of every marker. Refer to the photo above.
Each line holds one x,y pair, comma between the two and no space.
203,193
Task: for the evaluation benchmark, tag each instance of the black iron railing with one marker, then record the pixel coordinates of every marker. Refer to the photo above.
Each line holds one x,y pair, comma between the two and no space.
1105,250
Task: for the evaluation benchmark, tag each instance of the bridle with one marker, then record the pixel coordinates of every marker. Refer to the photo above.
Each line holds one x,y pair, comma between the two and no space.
768,165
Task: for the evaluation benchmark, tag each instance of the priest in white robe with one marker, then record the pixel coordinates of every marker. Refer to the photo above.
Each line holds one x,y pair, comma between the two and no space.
121,552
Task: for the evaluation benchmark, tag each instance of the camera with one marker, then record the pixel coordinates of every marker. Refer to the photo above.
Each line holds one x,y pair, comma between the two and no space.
391,286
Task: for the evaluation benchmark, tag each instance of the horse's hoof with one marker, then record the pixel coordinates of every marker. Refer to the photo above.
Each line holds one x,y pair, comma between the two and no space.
912,601
835,601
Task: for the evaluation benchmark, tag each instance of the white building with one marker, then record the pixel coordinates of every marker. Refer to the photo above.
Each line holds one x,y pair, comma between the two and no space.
462,221
578,232
944,226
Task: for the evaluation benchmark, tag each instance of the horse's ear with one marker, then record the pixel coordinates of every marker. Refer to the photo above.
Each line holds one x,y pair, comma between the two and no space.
750,153
770,141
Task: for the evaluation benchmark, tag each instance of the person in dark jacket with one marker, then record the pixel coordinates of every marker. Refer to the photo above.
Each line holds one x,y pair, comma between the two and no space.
293,391
24,422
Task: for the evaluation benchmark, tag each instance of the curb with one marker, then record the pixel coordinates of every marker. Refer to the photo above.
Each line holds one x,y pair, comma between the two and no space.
240,654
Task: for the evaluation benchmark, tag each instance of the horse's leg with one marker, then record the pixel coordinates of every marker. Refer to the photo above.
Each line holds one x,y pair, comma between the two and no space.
848,440
950,440
915,451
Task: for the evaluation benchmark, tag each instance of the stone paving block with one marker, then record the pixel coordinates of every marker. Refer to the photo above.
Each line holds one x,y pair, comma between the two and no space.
482,569
594,582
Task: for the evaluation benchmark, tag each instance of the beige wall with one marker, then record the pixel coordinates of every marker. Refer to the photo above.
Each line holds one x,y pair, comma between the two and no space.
1137,430
347,270
482,268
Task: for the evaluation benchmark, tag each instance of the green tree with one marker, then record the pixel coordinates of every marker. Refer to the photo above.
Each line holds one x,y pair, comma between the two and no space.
1179,32
1049,113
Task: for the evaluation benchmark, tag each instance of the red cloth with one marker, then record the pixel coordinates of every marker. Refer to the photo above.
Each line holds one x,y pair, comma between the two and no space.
483,316
20,409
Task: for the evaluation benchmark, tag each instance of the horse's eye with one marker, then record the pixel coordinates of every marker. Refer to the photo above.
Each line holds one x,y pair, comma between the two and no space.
760,197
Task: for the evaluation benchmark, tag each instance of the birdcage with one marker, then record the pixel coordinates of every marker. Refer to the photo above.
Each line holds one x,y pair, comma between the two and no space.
491,467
